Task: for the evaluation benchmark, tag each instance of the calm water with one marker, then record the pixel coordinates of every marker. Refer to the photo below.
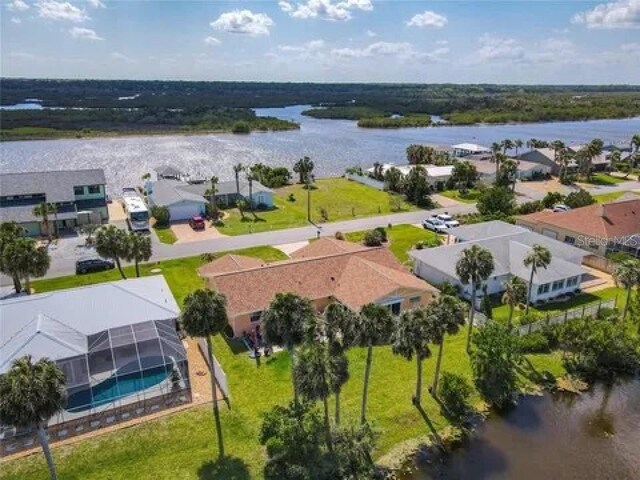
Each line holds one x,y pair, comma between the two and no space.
592,436
332,144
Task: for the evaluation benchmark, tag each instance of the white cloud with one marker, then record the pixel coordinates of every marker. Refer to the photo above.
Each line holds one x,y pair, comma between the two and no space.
620,14
630,47
18,6
122,57
428,19
16,20
96,4
308,47
442,42
243,21
498,48
325,9
54,10
212,41
84,34
23,56
403,51
370,33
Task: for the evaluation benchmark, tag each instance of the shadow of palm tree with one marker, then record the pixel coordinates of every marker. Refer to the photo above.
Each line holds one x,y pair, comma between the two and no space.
429,423
226,468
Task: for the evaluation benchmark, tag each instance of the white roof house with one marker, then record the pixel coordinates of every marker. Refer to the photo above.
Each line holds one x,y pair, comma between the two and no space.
437,173
464,149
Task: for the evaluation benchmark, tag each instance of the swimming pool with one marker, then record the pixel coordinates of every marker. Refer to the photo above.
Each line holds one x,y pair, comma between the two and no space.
115,387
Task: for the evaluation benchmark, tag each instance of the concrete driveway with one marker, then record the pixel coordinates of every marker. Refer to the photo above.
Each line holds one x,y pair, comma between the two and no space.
185,234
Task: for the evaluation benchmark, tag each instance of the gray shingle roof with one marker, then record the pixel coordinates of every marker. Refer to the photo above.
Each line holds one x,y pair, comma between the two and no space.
168,192
168,171
57,185
478,231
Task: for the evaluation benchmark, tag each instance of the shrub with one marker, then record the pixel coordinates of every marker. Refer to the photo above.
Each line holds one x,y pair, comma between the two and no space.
551,199
339,236
530,207
497,201
535,342
241,127
373,238
162,215
454,392
531,317
324,214
579,199
383,233
291,197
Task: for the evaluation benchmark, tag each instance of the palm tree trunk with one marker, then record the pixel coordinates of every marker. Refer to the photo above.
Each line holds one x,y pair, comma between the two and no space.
337,413
327,425
471,315
529,287
117,259
214,396
55,222
365,391
44,442
16,283
27,284
626,305
292,354
137,268
510,316
417,398
436,377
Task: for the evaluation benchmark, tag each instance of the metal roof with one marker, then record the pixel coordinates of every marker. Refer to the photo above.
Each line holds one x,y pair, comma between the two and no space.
56,185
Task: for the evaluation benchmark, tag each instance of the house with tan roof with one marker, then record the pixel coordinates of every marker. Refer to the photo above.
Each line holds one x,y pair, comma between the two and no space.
325,271
596,228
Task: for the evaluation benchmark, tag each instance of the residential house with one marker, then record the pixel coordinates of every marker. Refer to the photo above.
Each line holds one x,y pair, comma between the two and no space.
186,199
544,156
487,168
598,229
122,359
326,271
79,195
509,246
465,149
600,162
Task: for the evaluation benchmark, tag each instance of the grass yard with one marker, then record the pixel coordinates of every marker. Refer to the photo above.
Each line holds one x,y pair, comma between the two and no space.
604,179
501,312
612,196
165,235
343,200
471,196
402,238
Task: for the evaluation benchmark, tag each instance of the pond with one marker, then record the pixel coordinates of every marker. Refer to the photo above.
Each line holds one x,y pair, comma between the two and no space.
595,435
333,145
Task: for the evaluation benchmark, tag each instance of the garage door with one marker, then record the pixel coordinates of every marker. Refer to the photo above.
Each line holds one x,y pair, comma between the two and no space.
550,233
184,211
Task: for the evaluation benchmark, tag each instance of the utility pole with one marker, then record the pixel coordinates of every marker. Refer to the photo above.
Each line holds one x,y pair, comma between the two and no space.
308,197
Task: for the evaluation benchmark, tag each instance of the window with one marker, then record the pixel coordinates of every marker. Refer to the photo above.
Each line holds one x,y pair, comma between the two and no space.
255,317
395,308
570,240
78,190
557,285
573,281
542,289
415,299
94,188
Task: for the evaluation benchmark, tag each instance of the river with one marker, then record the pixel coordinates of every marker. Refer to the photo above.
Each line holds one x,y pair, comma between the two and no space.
332,144
556,436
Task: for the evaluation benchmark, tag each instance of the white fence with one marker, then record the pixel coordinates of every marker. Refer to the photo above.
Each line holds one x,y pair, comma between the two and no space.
220,376
366,181
586,311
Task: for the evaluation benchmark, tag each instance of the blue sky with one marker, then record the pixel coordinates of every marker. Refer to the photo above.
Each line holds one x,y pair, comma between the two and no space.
324,40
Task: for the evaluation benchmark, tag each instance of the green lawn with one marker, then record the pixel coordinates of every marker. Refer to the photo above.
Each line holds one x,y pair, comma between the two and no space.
610,197
501,312
182,446
165,235
604,179
402,238
343,200
471,196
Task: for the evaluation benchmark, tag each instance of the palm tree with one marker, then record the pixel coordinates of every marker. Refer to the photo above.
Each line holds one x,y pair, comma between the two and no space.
446,314
250,179
22,258
139,249
204,315
473,267
212,191
539,257
614,159
627,274
30,394
375,328
237,168
284,323
9,233
303,168
506,144
312,376
340,324
635,143
411,337
515,293
518,145
498,157
111,242
44,210
241,204
564,158
557,146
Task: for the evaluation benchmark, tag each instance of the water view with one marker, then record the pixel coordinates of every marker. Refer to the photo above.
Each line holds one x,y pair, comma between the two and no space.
332,144
592,436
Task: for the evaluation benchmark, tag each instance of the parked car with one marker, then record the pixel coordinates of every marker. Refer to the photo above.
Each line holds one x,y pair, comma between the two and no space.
197,222
448,220
435,225
561,208
93,264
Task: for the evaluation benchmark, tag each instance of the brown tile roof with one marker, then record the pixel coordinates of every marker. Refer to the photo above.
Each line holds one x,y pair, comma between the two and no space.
327,246
608,220
229,263
354,278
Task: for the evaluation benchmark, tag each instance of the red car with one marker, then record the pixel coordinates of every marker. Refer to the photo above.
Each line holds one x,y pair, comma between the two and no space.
197,222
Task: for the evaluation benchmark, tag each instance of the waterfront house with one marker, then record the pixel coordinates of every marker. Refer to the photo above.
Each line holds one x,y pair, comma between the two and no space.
465,149
79,195
116,343
509,245
598,229
326,271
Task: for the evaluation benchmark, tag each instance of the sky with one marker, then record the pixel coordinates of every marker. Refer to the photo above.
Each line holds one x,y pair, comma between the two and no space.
522,42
